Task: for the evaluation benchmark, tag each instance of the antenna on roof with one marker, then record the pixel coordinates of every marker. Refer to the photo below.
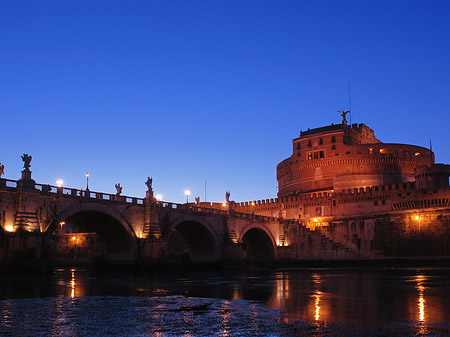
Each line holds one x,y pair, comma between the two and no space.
349,103
431,154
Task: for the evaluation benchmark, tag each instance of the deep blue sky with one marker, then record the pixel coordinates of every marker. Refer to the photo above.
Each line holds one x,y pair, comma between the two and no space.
185,91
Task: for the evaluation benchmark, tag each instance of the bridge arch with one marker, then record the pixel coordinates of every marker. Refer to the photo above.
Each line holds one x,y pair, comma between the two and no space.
194,238
259,243
108,232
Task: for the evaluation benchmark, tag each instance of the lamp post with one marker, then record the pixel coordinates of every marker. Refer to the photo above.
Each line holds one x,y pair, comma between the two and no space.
59,182
62,223
187,193
87,181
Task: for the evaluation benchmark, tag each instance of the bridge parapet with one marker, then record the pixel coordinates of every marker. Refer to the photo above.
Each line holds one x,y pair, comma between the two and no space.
61,191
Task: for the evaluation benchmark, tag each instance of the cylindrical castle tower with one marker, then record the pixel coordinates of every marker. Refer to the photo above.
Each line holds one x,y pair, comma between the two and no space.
340,157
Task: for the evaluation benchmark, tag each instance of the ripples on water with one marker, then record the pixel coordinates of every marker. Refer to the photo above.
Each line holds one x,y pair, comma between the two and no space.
280,304
167,316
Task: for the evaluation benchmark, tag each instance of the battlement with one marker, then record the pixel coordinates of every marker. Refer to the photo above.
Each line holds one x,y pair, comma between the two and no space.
361,192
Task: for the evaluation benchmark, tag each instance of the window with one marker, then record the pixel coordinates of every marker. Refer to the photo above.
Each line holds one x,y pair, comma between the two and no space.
298,154
309,143
298,146
321,141
333,147
316,155
333,139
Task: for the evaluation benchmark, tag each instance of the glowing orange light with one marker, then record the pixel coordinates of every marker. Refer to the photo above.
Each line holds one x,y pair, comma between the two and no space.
73,238
9,228
416,217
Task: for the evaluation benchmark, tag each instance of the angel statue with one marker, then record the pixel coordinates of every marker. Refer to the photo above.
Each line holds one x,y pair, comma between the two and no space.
197,200
2,170
118,189
227,196
26,161
149,183
343,113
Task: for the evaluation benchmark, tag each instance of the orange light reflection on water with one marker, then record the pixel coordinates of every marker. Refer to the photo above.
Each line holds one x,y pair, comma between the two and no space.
420,279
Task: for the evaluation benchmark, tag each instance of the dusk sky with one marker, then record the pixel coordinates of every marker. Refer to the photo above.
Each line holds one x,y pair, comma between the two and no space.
185,91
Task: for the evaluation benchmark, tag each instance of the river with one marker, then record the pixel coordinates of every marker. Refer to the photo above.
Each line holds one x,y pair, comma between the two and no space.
297,302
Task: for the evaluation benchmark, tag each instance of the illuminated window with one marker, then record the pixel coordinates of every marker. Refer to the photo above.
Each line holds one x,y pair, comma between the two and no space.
370,151
316,155
383,151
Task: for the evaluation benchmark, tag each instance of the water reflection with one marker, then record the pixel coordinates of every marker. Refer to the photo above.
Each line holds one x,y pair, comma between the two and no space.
368,297
420,280
316,279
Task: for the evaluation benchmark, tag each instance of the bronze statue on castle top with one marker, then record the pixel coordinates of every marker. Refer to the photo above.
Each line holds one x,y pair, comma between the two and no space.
2,170
343,114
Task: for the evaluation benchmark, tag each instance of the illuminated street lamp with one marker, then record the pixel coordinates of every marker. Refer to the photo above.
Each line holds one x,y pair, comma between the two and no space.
159,197
59,182
187,193
62,223
87,181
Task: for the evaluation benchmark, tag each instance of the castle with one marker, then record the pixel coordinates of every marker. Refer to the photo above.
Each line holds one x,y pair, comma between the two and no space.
374,198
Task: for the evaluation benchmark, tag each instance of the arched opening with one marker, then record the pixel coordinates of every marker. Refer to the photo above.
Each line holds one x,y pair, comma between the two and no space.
258,246
2,243
89,236
190,240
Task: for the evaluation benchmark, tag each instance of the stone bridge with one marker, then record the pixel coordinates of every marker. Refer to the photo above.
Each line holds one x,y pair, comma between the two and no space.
65,224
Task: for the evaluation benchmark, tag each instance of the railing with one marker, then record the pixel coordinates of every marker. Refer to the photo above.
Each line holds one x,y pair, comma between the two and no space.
74,193
8,183
86,194
214,211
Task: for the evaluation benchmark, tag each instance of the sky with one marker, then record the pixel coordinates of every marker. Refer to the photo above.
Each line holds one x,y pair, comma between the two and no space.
189,92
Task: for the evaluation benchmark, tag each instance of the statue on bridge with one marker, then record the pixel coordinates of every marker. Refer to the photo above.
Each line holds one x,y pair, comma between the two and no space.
2,170
149,183
26,161
118,189
227,196
197,201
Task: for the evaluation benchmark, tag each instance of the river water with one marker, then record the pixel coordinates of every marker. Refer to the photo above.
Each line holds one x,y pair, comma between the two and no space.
306,302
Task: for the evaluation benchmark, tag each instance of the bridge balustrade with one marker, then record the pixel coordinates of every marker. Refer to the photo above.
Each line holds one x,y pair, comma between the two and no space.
10,183
73,192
